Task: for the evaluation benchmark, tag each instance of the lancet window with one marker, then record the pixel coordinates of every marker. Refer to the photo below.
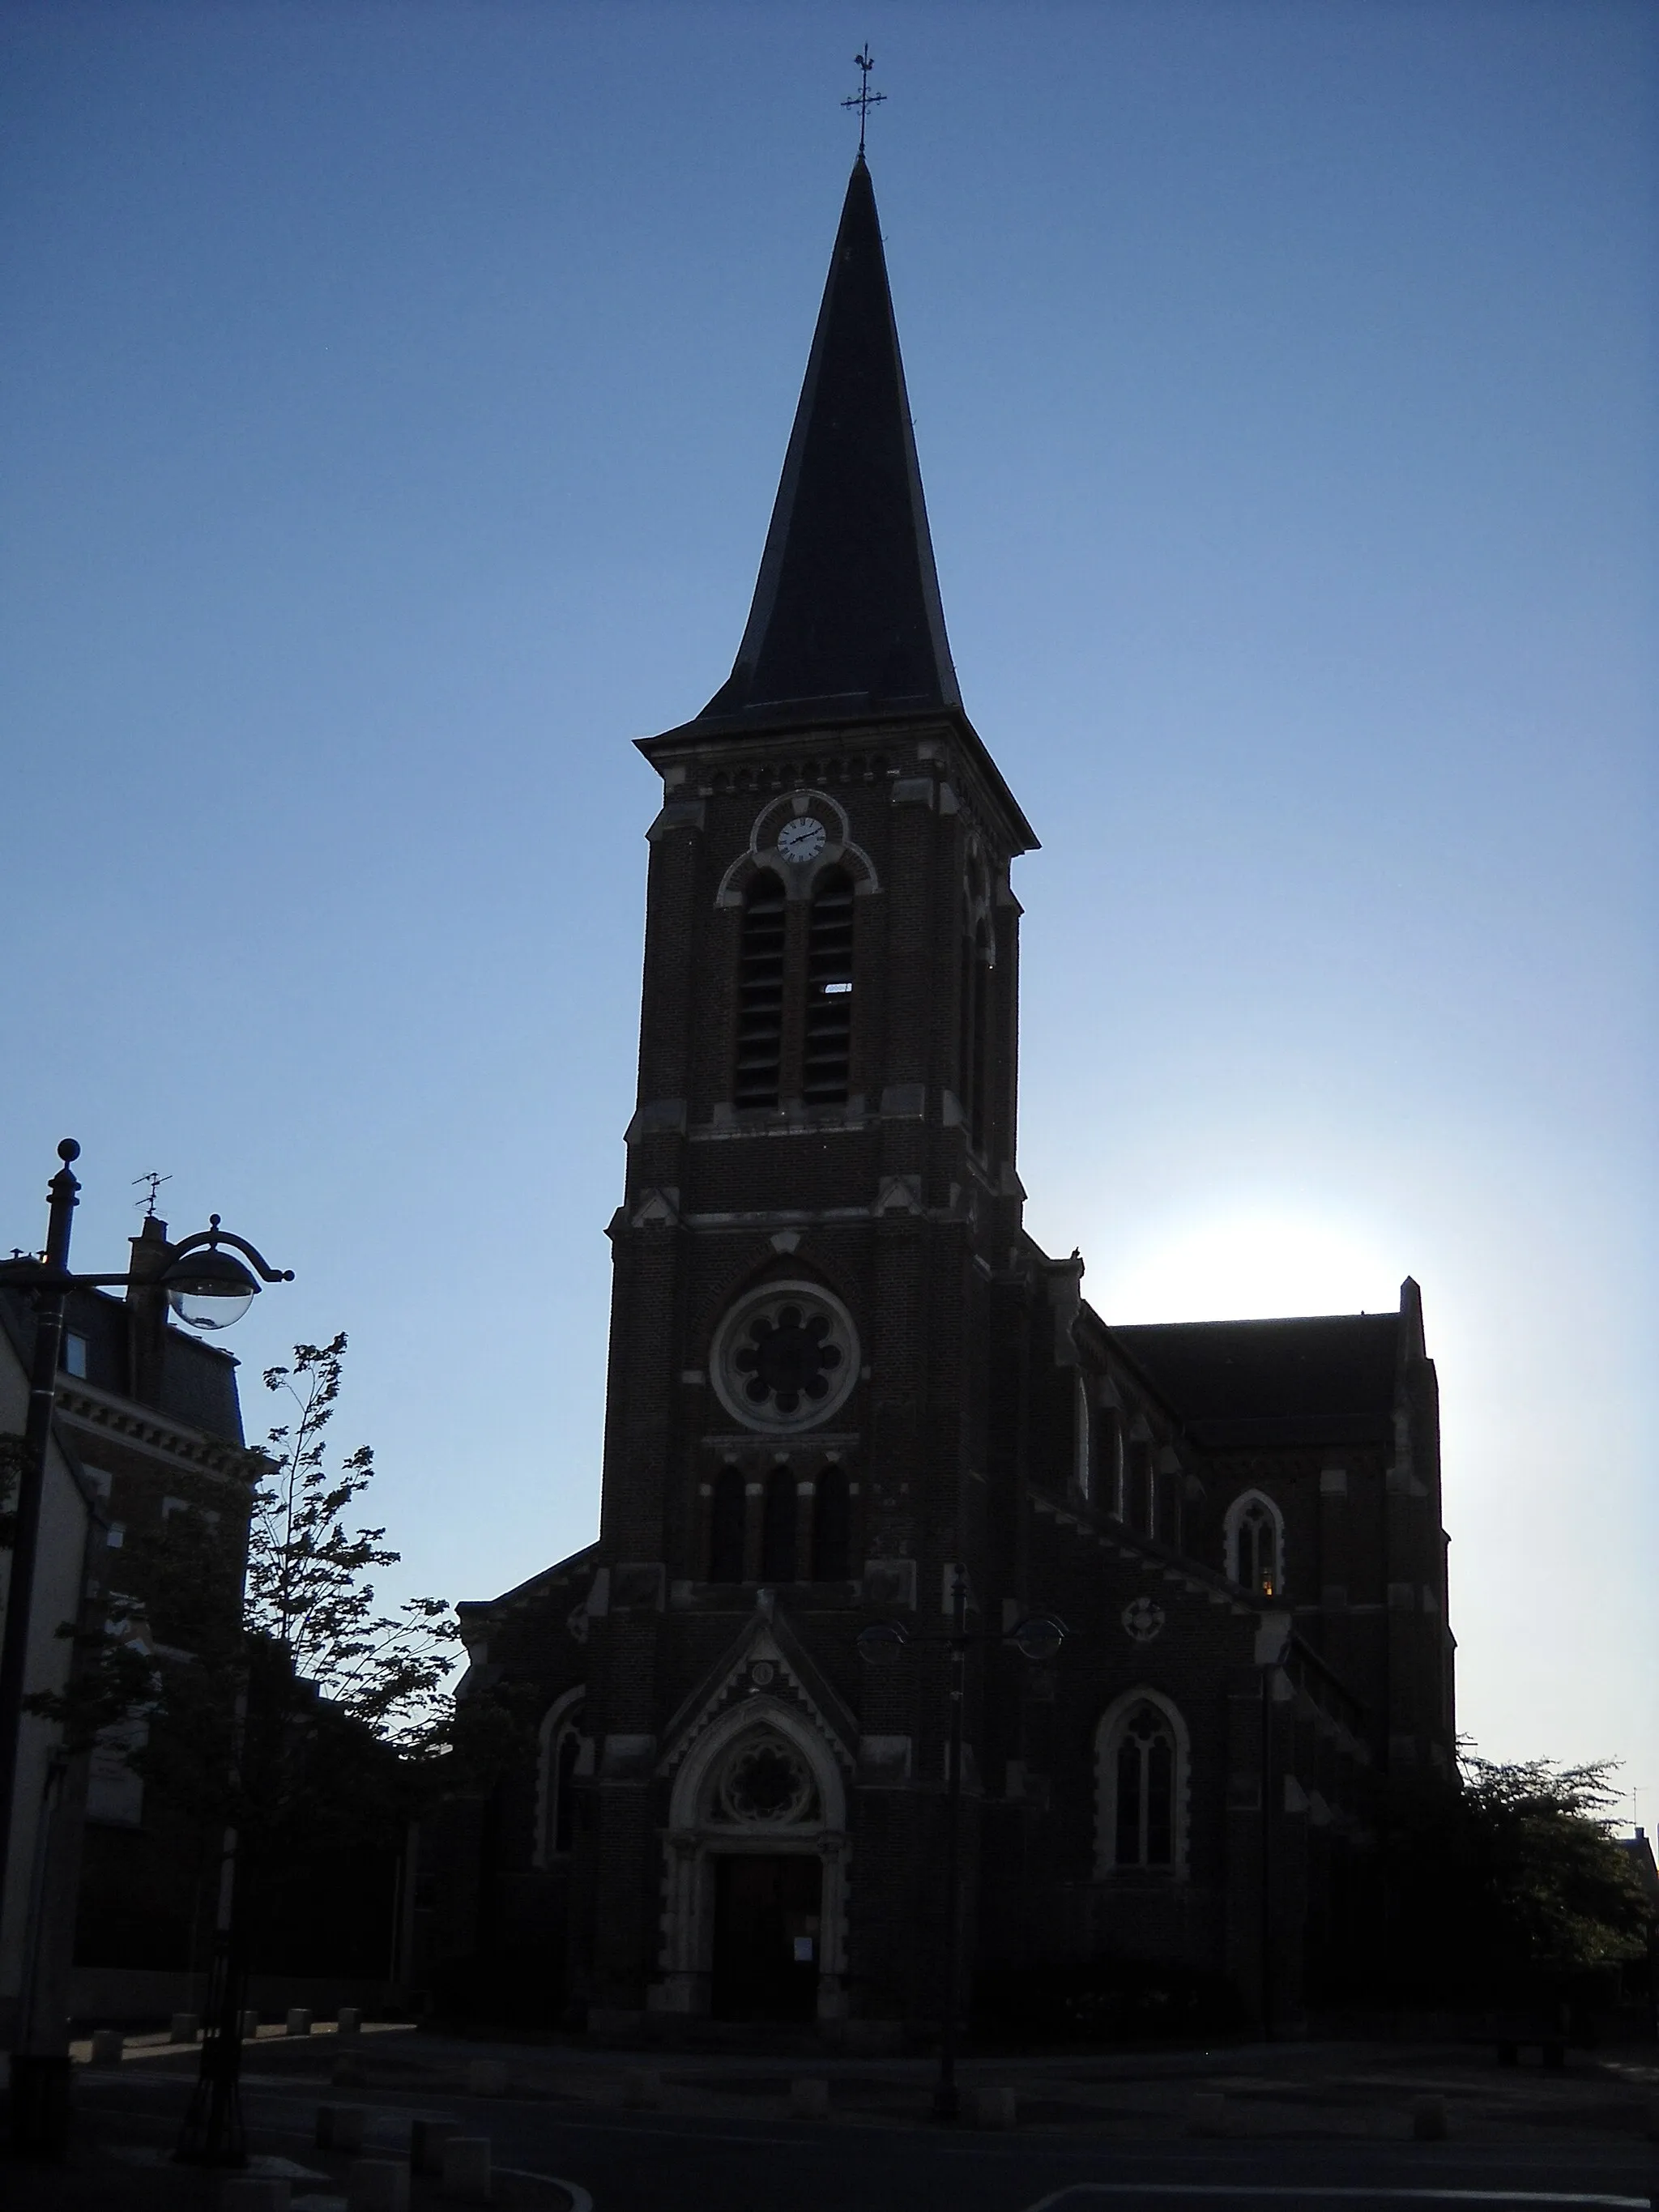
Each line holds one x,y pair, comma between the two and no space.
832,1527
1255,1544
1141,1751
778,1527
726,1520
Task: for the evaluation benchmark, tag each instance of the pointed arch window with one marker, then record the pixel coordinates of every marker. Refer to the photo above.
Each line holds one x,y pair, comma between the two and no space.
778,1527
832,1527
1082,1442
1142,1493
760,994
726,1520
1116,1503
1141,1777
973,1080
560,1766
828,1031
1254,1537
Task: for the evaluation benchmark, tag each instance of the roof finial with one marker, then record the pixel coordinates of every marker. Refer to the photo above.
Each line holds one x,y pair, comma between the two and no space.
863,100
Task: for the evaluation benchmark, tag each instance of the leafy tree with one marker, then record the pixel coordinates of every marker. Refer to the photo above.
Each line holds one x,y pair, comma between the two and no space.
1509,1887
305,1589
243,1668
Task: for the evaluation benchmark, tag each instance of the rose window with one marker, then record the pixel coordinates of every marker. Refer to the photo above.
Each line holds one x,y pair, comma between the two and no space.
766,1783
785,1357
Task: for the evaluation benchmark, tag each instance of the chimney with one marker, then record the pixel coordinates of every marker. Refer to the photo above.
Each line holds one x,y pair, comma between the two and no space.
147,1312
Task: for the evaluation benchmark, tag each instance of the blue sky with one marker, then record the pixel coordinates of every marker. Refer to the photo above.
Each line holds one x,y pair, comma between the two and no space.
392,402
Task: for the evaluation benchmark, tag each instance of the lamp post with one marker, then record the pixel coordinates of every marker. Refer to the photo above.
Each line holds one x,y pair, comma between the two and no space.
880,1645
207,1287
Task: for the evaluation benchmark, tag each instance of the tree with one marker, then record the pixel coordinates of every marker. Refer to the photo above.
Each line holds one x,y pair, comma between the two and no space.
305,1589
1509,1887
244,1670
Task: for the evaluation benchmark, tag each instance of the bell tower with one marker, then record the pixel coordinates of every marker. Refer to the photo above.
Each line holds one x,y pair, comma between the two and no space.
821,1192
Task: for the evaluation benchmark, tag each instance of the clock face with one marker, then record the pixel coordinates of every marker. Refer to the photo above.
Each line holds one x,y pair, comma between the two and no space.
801,839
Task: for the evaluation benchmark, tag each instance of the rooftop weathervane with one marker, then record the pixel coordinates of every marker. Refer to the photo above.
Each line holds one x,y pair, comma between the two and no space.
863,100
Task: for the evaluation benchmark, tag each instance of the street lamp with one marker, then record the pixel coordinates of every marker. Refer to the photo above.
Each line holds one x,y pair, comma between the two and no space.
882,1644
209,1288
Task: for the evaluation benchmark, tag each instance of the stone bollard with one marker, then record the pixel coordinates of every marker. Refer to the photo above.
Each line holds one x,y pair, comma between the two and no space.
426,2139
992,2107
466,2169
377,2185
486,2078
809,2097
1429,2119
184,2027
1206,2113
298,2020
250,2027
250,2192
340,2127
641,2089
108,2044
348,2021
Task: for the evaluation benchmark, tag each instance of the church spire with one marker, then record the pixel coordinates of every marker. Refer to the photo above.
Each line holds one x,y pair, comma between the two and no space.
846,616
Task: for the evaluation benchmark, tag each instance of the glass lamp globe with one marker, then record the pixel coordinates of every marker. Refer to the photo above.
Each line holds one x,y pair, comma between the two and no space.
880,1645
1039,1639
210,1289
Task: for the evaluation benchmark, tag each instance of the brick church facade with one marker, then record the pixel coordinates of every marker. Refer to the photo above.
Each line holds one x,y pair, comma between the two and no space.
841,1371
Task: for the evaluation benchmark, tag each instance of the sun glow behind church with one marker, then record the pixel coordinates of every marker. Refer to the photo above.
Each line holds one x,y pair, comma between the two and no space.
1248,1259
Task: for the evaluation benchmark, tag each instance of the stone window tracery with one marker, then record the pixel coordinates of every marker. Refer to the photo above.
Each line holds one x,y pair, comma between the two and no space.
1141,1776
763,1782
785,1358
1255,1544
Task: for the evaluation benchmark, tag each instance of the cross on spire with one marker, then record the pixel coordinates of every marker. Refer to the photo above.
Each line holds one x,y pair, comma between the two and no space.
863,100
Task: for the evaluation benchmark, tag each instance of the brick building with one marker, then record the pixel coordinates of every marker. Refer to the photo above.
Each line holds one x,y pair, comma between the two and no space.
840,1369
147,1419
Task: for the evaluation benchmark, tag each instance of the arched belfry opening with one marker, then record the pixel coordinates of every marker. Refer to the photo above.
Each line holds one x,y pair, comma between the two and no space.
827,1032
759,1067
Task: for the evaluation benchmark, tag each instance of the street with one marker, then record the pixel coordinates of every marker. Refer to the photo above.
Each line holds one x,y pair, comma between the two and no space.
1309,2126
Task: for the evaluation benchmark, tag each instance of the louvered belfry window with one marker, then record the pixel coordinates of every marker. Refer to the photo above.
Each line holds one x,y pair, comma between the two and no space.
760,995
829,1028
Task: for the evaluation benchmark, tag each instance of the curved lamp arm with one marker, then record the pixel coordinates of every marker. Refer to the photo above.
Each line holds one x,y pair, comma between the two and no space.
214,1235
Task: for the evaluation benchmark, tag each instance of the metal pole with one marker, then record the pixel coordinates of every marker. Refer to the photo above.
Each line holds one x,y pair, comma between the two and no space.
31,1490
947,2102
1267,1857
213,2133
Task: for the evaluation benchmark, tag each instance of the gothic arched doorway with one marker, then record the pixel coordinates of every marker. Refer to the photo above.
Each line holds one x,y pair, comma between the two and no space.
756,1871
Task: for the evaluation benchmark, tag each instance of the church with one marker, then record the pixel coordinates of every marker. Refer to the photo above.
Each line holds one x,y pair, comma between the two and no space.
845,1384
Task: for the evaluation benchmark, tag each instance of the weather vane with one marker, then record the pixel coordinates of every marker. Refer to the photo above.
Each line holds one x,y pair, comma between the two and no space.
154,1183
863,100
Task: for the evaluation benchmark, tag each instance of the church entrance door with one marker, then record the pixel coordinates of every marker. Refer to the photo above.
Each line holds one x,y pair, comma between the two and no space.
767,1921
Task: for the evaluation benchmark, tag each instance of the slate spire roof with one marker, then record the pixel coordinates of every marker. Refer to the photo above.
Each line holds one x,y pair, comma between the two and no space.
846,616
